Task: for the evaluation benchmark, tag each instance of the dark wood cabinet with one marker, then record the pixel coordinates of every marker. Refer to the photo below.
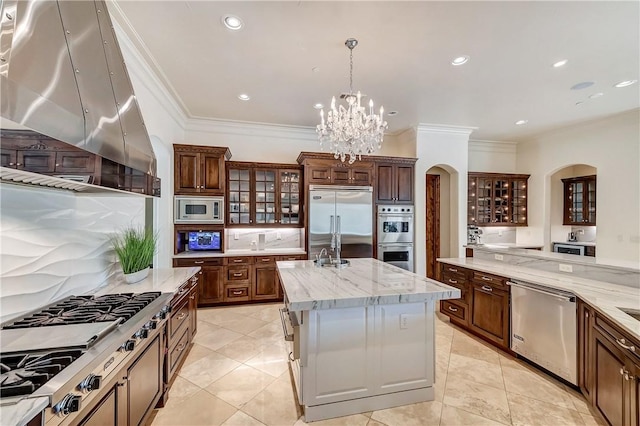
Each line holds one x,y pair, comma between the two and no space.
580,201
483,307
264,194
585,348
210,278
323,169
615,368
144,382
394,183
199,169
496,199
265,279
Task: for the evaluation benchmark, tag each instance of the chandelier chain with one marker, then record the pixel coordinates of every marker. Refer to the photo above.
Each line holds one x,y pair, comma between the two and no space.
350,71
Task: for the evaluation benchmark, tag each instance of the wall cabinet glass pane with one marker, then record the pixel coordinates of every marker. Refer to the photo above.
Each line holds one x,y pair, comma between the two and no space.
580,200
497,199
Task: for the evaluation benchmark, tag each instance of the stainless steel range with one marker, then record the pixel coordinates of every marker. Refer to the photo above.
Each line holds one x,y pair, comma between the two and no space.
72,351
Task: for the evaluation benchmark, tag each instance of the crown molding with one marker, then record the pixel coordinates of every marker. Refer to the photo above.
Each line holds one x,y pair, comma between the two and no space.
445,128
145,66
247,128
492,146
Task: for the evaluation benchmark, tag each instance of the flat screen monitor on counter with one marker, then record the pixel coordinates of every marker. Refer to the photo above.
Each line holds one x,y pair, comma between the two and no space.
204,240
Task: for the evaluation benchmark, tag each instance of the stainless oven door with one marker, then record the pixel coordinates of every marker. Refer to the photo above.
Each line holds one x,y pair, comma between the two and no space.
400,255
569,249
395,228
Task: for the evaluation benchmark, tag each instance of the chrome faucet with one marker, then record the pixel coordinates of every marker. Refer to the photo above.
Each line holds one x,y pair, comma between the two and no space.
336,240
319,256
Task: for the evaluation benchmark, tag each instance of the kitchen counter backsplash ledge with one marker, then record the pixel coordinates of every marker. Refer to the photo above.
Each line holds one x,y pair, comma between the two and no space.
164,280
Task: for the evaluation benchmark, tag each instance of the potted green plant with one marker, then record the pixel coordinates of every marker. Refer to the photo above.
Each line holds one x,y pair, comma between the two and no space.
135,248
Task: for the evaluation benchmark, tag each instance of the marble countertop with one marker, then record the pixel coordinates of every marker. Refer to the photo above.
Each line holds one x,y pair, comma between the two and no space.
504,245
605,297
164,280
366,282
228,253
576,243
600,262
23,412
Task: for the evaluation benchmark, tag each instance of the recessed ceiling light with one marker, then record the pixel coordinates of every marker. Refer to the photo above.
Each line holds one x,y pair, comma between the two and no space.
318,106
560,63
521,122
625,83
392,113
596,95
460,60
579,103
244,97
582,85
232,22
315,69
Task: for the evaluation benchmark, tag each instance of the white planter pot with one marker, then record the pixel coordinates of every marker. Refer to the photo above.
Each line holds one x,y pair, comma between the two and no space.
136,276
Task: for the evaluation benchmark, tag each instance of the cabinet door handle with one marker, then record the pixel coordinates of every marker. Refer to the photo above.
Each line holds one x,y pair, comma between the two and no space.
237,260
237,274
265,260
487,288
192,297
12,164
487,278
452,309
453,281
622,342
198,262
181,292
237,293
57,165
452,269
586,314
181,347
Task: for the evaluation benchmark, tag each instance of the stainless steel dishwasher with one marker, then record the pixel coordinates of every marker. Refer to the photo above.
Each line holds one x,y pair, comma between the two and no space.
543,328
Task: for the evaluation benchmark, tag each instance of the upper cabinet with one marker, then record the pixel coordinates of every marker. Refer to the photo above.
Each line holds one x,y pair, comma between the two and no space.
322,169
199,169
579,200
260,194
391,177
497,199
394,183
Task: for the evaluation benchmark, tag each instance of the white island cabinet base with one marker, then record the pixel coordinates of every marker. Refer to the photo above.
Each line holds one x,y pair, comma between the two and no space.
357,353
354,360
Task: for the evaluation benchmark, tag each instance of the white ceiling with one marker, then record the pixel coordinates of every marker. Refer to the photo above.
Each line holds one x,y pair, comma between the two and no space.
402,61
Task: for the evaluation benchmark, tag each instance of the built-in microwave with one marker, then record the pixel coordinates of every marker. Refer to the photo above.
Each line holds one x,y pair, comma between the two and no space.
198,210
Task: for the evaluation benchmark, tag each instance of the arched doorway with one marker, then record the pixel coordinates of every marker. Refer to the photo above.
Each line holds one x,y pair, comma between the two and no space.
438,210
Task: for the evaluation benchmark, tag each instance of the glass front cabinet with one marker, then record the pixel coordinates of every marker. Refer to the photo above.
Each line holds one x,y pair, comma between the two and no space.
497,199
579,200
263,196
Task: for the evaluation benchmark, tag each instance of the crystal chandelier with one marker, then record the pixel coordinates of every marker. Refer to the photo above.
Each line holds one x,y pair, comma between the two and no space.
351,131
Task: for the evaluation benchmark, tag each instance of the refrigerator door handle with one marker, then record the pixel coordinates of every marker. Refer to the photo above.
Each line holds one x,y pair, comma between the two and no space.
333,233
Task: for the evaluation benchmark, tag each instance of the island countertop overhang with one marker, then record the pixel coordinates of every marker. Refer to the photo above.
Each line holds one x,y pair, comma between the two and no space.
366,282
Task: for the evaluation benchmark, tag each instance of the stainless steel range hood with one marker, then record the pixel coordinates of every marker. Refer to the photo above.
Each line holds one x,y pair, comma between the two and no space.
62,75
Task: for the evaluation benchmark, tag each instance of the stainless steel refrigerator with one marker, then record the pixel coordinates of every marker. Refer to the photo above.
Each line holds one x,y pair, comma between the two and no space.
348,209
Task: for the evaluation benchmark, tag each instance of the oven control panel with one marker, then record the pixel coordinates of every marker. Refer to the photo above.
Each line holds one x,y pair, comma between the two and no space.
395,209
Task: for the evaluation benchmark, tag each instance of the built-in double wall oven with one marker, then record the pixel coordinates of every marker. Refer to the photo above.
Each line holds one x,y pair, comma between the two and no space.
395,235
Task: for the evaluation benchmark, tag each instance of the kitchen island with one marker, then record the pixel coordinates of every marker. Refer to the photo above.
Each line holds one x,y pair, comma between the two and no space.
362,337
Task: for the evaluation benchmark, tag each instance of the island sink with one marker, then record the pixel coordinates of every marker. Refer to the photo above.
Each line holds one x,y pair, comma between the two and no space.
634,313
324,262
361,338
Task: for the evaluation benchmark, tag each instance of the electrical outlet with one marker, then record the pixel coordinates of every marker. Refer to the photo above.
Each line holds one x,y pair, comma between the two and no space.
498,256
236,236
500,233
278,236
404,321
566,268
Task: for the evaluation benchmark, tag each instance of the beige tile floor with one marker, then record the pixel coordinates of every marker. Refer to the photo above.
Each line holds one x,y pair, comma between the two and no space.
236,374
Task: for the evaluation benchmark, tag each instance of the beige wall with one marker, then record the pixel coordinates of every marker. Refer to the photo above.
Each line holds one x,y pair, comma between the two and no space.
610,145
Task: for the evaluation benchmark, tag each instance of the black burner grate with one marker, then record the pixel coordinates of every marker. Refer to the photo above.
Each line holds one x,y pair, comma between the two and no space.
22,374
87,309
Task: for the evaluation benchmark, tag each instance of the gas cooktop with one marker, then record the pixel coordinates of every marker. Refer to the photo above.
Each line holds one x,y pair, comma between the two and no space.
87,309
40,345
22,374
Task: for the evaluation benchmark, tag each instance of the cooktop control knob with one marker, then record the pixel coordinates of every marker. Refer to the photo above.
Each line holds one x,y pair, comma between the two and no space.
128,345
90,383
151,325
143,333
69,404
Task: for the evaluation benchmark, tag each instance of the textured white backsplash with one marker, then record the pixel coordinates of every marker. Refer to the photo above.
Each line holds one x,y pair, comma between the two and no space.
289,238
54,243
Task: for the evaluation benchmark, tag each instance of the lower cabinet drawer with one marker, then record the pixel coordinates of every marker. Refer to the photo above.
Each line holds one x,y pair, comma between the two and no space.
179,317
240,273
177,352
453,310
236,294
